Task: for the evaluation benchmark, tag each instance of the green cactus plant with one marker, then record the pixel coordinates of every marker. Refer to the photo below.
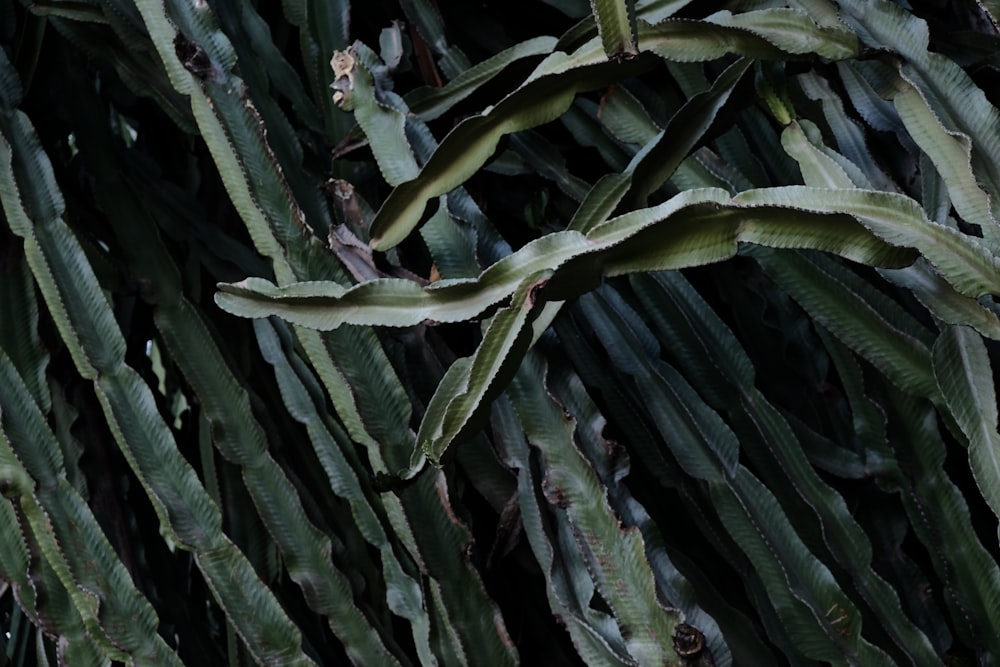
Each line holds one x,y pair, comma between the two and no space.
611,333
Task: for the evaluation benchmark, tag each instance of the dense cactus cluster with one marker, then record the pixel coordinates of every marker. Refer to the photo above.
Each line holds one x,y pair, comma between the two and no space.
392,333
